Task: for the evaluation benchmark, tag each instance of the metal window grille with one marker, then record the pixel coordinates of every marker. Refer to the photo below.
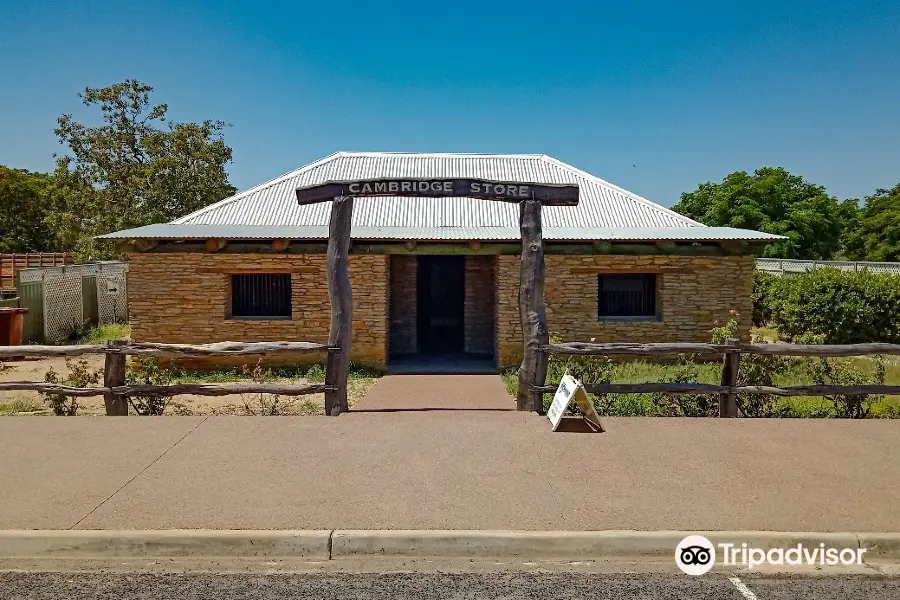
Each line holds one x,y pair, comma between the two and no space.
632,295
261,295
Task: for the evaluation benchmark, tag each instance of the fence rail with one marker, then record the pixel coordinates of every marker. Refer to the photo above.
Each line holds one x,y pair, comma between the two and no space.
116,392
662,349
731,352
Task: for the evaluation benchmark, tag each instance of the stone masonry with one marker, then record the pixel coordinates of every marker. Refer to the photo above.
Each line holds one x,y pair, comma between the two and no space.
184,298
693,293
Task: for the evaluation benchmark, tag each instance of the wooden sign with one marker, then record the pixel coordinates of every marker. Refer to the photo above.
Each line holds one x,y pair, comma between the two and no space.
570,390
484,189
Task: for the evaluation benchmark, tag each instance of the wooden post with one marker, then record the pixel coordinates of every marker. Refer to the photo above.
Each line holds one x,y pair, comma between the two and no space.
730,366
532,312
341,299
114,376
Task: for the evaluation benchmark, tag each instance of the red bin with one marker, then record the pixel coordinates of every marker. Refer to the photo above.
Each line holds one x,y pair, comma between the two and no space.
11,321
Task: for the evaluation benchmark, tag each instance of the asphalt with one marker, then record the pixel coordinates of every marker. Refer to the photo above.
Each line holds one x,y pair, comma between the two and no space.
440,586
448,470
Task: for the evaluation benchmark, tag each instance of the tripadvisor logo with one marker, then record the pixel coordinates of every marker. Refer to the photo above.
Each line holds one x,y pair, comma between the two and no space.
696,555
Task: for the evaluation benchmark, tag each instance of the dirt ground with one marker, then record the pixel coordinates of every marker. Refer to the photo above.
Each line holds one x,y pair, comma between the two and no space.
26,402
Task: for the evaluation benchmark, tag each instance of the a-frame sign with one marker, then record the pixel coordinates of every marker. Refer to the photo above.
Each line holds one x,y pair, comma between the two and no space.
571,391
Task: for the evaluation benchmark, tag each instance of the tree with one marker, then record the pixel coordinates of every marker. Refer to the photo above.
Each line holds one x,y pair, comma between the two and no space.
23,208
135,169
774,201
876,232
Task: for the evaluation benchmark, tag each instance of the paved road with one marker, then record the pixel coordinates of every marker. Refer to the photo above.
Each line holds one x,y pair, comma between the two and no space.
419,586
448,470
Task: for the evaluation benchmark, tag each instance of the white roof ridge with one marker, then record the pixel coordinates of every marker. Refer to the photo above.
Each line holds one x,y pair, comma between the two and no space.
445,154
621,190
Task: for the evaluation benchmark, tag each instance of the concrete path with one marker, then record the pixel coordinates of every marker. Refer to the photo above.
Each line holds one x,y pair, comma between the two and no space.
436,392
448,470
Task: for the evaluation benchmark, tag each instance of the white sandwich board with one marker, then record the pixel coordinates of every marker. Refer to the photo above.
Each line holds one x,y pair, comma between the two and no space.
570,391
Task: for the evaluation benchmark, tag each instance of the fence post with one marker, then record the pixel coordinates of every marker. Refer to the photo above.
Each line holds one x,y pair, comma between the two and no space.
113,376
532,312
340,297
731,363
332,374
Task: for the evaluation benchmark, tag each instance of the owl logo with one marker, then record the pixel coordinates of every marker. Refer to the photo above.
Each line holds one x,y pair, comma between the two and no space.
695,555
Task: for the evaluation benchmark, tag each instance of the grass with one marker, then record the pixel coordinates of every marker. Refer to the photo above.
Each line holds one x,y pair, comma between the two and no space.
359,381
105,333
313,373
767,334
20,405
805,406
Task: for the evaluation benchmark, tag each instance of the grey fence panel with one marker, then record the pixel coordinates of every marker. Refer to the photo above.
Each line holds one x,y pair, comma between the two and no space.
63,300
112,296
89,300
63,306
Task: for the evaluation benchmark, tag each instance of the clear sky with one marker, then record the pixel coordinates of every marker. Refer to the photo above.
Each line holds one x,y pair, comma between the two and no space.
653,96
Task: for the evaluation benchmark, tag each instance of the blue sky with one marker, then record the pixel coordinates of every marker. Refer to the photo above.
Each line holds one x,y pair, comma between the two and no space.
653,96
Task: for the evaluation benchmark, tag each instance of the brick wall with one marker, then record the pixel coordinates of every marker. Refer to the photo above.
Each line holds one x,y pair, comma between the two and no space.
184,298
693,293
478,319
403,292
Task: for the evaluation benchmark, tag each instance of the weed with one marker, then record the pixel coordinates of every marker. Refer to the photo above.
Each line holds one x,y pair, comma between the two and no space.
264,404
79,375
20,404
146,371
106,332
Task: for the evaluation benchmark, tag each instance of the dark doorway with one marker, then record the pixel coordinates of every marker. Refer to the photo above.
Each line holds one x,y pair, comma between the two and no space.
441,297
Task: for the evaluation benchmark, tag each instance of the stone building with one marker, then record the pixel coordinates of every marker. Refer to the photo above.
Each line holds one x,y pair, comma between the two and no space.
435,277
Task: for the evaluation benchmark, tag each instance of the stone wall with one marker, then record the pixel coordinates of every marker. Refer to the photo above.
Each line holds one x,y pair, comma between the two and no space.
404,300
184,298
693,295
478,319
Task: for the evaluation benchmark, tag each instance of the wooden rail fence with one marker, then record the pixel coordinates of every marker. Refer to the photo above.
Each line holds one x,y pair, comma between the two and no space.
115,392
731,352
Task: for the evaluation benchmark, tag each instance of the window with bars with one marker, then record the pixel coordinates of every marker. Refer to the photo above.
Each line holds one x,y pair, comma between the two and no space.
261,296
631,295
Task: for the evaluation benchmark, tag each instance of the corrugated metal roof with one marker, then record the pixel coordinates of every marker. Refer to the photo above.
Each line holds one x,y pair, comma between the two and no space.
601,204
605,211
269,232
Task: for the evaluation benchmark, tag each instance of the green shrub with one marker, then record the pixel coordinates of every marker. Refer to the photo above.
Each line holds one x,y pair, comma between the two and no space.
765,290
79,375
146,371
685,405
842,307
587,369
844,372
